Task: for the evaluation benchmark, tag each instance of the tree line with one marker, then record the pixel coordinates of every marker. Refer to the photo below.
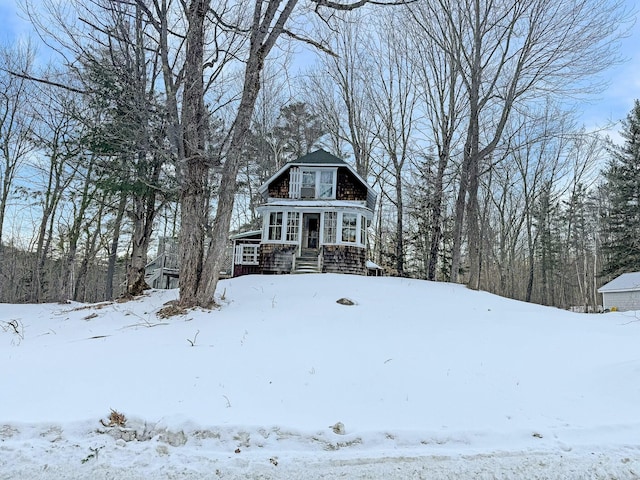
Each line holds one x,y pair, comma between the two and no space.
162,118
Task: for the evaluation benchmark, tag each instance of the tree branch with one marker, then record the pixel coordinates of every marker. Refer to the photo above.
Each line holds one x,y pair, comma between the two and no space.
311,42
45,81
355,5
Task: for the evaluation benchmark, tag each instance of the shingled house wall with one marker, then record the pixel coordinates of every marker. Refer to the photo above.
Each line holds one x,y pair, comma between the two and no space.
275,258
344,259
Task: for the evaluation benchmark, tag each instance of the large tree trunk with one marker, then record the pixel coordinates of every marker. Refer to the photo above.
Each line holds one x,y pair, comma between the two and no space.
228,185
267,26
194,170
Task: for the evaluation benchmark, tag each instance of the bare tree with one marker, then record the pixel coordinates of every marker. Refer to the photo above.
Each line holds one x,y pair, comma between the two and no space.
507,53
15,120
269,23
439,86
393,98
337,89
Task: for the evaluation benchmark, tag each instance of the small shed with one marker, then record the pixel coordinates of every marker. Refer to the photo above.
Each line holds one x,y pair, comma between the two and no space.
622,293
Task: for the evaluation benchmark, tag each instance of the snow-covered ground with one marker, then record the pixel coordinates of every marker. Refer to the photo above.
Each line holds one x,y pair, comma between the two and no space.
416,380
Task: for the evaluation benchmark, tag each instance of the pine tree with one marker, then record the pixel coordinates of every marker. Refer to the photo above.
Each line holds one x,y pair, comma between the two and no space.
622,219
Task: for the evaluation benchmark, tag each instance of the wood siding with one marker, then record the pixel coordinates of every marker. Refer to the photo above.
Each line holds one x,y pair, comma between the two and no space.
275,258
279,188
349,187
239,270
622,301
344,259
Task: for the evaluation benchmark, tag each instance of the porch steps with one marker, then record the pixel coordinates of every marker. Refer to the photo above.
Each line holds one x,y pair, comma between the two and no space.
307,262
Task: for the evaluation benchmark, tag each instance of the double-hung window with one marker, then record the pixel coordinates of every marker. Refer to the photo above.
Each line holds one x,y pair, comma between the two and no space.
363,230
312,183
349,227
325,184
246,254
330,227
275,226
293,226
308,189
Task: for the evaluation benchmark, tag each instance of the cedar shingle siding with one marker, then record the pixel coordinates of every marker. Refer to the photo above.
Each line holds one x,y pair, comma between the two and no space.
276,258
344,259
279,188
348,187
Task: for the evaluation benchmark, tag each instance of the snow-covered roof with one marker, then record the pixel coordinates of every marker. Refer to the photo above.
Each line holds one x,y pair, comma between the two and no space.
373,266
246,234
627,282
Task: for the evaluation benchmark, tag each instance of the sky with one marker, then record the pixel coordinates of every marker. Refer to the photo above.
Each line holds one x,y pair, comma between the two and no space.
416,380
611,105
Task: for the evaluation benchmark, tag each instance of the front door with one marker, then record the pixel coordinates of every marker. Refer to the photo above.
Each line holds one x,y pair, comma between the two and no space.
311,230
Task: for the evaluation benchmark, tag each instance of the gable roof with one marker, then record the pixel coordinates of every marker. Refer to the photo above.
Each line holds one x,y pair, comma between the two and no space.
325,159
318,157
627,282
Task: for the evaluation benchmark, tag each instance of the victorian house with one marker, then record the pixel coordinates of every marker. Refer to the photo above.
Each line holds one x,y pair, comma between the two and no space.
315,214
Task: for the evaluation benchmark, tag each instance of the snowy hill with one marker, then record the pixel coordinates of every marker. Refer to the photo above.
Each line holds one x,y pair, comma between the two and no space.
416,380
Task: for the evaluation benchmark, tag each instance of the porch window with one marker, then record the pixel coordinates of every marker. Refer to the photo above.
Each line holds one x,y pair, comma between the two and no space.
246,254
349,227
330,226
293,226
363,230
275,226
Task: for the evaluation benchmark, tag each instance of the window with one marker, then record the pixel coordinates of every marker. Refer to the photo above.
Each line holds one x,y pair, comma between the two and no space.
363,230
308,184
326,184
312,183
275,226
246,254
349,225
293,225
330,225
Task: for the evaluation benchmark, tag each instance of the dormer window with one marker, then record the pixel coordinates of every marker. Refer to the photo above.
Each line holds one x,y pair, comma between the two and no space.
309,183
308,189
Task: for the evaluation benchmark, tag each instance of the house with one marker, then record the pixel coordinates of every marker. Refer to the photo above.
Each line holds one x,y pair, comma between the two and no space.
622,293
315,213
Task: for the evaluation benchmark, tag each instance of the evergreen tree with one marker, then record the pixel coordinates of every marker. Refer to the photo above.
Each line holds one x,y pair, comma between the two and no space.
622,219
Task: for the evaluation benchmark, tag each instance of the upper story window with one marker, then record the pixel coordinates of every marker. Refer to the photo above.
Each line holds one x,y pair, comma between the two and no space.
310,183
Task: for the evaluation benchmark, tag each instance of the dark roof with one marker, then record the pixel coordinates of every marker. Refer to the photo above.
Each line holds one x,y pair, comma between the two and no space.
318,157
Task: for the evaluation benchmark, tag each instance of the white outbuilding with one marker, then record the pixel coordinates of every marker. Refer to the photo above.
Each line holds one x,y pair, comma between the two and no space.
622,293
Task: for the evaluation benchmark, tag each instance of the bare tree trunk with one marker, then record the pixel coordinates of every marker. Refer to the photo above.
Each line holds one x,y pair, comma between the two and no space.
113,248
195,169
90,250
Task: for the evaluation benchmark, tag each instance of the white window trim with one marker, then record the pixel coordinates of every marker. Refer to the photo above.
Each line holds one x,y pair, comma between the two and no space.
295,181
240,253
360,218
267,227
283,232
322,225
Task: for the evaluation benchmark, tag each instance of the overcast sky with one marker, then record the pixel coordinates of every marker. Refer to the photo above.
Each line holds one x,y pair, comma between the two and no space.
611,105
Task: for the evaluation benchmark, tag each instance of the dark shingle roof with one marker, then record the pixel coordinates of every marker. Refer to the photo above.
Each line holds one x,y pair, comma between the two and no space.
318,157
